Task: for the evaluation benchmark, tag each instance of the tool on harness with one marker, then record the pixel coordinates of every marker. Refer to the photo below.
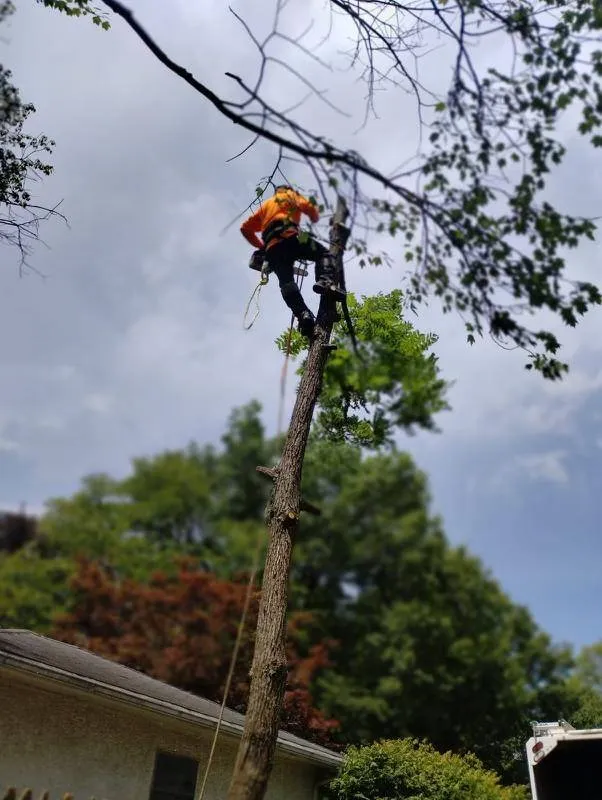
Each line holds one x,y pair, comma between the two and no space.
257,260
259,264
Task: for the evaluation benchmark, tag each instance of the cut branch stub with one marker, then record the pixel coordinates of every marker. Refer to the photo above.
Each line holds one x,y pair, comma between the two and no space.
304,505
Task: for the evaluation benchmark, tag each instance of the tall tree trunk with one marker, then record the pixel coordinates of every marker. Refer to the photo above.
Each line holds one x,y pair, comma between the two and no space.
269,670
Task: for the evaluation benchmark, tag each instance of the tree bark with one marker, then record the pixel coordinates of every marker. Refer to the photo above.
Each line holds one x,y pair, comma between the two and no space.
255,756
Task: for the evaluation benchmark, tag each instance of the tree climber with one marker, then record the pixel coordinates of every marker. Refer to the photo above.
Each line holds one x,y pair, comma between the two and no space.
277,219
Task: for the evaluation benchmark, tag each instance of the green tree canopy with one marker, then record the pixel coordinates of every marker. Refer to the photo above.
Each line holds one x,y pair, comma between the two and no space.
426,643
23,156
33,588
22,160
586,685
389,381
424,631
588,667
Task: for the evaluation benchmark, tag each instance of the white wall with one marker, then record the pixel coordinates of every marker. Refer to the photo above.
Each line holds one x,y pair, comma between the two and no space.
93,747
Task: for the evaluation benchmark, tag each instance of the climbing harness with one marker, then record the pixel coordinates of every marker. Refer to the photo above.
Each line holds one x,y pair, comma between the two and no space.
277,228
258,262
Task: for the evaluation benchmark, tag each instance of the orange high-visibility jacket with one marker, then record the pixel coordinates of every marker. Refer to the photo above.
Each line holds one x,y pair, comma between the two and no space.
287,205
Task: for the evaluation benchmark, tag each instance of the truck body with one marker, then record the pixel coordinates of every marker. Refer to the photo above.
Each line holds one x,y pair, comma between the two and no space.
565,763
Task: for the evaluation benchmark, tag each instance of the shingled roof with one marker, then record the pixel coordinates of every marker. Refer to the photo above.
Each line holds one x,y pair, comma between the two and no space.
57,661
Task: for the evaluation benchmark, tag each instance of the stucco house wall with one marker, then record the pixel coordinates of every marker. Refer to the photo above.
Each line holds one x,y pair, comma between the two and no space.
59,738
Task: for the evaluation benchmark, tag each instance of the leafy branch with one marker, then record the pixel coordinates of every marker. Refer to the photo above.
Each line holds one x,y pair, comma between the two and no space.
395,384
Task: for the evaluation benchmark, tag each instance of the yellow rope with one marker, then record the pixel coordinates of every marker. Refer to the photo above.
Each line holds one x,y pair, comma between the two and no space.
239,633
255,296
264,279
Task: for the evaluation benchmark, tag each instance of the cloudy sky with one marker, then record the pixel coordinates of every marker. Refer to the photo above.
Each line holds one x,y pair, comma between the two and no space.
134,340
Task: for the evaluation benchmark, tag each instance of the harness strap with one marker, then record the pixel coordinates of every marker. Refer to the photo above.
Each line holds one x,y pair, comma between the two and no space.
277,228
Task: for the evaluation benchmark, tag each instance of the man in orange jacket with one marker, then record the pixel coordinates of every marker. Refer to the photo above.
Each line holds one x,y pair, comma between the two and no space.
278,219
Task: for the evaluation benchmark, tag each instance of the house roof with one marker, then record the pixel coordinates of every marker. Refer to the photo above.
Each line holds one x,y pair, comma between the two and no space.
32,653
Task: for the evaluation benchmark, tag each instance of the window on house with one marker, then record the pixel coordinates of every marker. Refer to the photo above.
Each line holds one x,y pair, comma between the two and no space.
174,777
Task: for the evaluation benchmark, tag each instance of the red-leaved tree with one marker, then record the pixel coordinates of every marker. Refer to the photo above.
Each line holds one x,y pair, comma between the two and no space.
181,629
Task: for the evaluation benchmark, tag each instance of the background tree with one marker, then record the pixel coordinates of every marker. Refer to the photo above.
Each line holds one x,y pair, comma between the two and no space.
394,770
16,529
427,644
589,710
588,667
423,630
586,684
181,628
22,161
137,525
477,226
23,156
33,588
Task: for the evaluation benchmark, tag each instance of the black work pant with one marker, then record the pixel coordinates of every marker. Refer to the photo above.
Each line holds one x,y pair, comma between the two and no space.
281,258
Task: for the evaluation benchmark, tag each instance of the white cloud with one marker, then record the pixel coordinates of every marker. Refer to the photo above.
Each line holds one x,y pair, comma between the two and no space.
98,402
516,472
50,422
8,445
545,466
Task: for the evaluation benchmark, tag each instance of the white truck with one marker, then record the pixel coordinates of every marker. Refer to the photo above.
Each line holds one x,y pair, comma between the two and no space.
565,763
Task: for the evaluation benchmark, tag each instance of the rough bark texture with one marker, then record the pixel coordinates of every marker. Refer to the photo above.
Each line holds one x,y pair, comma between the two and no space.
255,756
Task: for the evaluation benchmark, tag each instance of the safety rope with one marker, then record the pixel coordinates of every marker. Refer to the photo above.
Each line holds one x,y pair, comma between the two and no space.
239,633
255,566
265,277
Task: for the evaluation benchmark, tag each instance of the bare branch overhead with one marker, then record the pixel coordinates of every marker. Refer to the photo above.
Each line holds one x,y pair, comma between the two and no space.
471,208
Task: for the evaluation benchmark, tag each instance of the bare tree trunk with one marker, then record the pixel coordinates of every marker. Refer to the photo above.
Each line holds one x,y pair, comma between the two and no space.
269,670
